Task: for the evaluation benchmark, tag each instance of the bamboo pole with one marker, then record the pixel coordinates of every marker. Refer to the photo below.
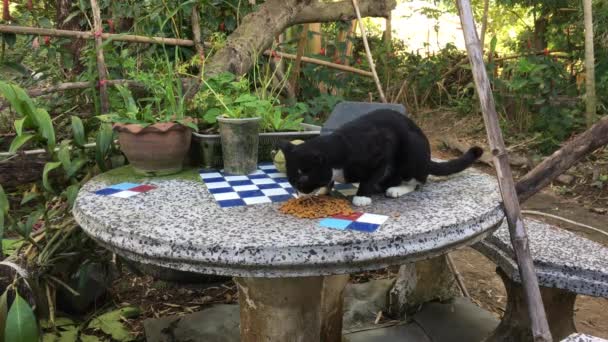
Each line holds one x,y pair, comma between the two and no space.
90,35
519,237
590,98
298,61
101,65
34,92
321,62
368,52
157,40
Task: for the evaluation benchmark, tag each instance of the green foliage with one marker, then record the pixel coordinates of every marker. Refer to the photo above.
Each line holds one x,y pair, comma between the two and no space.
111,323
165,101
224,94
21,322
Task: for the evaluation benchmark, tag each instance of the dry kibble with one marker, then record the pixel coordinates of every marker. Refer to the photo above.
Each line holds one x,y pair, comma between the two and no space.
316,207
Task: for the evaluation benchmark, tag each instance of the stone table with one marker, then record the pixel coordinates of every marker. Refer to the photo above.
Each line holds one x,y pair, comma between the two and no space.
290,272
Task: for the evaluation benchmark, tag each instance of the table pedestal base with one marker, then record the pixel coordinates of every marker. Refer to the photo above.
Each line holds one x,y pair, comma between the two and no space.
421,282
291,309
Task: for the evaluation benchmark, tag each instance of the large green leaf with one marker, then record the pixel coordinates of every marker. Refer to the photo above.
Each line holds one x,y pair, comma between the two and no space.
19,126
111,323
9,246
2,225
3,200
70,193
19,141
21,323
45,127
77,164
78,130
64,156
48,167
103,142
18,99
3,314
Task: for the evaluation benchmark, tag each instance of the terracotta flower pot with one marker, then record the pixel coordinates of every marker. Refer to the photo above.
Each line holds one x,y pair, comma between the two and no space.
158,149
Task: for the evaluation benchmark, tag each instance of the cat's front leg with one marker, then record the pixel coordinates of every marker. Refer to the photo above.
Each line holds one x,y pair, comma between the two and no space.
364,192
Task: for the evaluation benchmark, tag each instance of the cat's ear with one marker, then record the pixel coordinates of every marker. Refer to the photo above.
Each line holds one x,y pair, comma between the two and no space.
285,146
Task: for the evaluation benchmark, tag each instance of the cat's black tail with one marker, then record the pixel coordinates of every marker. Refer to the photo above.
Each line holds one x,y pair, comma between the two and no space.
455,165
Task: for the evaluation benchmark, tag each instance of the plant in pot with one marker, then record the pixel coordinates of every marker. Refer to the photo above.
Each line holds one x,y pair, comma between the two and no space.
239,128
154,133
224,98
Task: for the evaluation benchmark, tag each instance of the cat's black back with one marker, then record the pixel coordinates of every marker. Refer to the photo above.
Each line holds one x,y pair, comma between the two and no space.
378,150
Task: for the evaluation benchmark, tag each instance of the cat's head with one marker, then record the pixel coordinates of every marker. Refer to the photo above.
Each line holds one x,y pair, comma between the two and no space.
307,167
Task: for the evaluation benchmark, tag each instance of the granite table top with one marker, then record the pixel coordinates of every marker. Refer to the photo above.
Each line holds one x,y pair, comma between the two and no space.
562,259
179,225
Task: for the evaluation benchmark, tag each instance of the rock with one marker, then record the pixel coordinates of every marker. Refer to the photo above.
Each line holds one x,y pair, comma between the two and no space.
565,179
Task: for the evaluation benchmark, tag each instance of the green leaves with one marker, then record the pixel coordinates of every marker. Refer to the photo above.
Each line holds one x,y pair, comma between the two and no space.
19,141
111,323
71,192
78,131
21,323
48,167
3,314
38,117
104,142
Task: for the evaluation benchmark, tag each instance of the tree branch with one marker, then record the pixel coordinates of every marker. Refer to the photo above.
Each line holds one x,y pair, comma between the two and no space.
259,28
563,159
320,12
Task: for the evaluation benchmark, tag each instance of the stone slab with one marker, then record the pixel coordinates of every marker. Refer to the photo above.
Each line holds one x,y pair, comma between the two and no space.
218,323
562,259
455,321
178,225
346,111
399,333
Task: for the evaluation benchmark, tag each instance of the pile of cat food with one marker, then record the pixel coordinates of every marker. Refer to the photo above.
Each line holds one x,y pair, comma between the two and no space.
316,207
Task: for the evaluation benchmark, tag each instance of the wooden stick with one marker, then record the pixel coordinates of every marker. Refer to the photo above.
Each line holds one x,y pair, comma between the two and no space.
34,92
519,237
458,276
200,50
590,97
368,52
101,65
298,61
90,35
321,62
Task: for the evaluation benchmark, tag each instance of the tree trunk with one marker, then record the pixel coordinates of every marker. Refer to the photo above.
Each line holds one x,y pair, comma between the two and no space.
563,159
259,28
590,98
484,23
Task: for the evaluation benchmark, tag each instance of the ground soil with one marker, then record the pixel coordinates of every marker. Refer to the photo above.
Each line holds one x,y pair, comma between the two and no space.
576,202
581,202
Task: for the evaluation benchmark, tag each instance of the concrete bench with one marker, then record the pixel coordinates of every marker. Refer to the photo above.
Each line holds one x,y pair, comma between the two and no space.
566,265
583,338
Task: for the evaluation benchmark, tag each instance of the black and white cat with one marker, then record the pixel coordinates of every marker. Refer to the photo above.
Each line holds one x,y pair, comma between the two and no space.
383,151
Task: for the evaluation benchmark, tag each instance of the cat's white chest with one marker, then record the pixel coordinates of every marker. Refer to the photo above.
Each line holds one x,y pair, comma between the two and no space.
337,175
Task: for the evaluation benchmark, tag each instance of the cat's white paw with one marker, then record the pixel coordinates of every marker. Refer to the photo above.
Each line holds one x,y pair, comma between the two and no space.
398,191
361,201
